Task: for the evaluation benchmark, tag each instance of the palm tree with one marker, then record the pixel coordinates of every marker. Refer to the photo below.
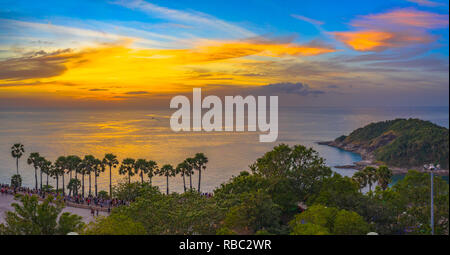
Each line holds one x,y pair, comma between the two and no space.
127,167
88,168
46,169
73,164
190,165
111,161
98,168
54,172
17,151
61,164
370,172
34,160
167,171
383,176
41,162
182,168
152,168
141,168
200,164
360,178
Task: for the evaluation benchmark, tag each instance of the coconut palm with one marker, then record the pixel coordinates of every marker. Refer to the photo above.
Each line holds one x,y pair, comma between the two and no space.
383,176
152,168
127,167
17,150
54,172
98,168
111,161
167,171
370,172
141,168
360,178
34,159
200,164
61,164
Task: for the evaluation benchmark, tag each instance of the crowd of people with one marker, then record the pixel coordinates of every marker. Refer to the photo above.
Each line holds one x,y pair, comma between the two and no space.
90,201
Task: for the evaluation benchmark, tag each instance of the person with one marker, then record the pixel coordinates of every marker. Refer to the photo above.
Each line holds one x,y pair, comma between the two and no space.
92,211
97,211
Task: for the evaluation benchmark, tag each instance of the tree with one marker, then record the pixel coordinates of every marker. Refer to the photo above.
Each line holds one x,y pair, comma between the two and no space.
182,168
17,150
152,168
73,164
190,166
34,159
309,229
16,181
74,184
412,202
256,211
127,167
371,177
111,161
317,215
300,165
46,167
141,168
55,172
360,178
89,163
116,224
61,165
34,218
98,168
200,164
383,176
350,223
167,171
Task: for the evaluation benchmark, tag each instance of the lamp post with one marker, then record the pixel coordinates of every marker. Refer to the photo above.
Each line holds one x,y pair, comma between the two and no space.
431,167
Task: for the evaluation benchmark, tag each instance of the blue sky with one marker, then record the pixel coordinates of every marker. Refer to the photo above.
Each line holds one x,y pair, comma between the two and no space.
393,50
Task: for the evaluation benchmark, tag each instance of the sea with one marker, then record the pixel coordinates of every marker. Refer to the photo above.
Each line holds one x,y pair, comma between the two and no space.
147,134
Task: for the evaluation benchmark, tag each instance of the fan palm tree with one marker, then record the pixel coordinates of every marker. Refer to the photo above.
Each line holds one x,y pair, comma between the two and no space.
61,165
141,168
98,168
17,150
73,164
370,172
190,164
167,171
383,176
152,168
182,168
200,164
88,167
360,178
127,167
111,161
33,159
46,168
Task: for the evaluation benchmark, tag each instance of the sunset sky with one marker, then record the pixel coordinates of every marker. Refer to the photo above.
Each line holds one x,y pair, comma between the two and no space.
72,54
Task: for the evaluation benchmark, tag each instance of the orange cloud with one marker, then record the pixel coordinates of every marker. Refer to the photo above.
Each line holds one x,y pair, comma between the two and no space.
407,17
397,28
117,72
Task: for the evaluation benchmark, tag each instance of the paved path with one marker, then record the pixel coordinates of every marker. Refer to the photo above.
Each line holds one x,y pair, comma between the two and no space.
7,200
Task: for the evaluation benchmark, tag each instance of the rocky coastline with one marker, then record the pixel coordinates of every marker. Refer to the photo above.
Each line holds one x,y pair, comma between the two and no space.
368,159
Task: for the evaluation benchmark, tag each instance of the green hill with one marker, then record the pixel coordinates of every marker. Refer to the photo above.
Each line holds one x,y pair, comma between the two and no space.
400,142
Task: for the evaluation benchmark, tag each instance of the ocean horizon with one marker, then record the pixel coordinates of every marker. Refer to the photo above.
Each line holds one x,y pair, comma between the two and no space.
147,134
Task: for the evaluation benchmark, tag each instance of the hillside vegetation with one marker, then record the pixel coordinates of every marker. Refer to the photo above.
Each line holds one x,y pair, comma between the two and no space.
401,142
